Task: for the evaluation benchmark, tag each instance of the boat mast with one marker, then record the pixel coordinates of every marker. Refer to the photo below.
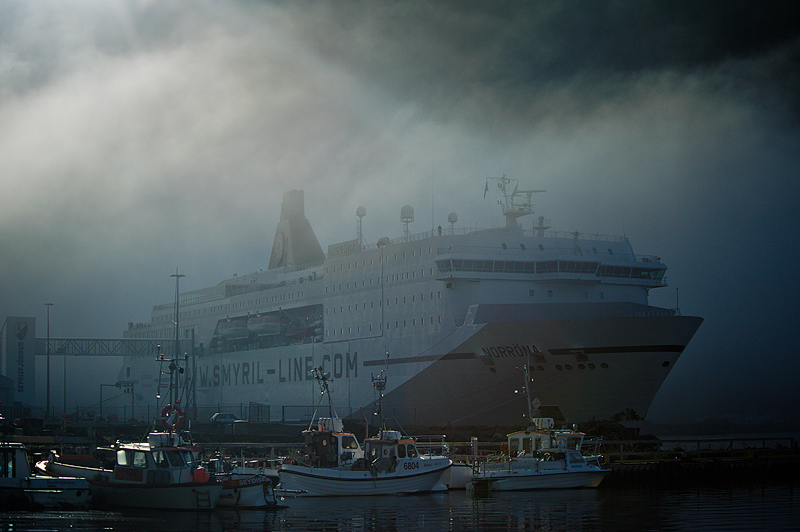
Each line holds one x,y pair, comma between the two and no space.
379,383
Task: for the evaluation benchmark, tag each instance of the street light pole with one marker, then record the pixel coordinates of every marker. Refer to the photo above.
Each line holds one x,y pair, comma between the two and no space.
48,305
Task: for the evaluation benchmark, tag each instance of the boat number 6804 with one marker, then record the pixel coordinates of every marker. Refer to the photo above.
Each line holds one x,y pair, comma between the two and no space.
410,465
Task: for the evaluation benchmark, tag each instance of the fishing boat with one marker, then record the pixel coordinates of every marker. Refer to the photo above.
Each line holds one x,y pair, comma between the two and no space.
334,464
22,489
159,473
244,486
541,457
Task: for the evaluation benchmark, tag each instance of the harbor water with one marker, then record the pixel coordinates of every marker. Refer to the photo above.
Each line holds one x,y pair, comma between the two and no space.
744,506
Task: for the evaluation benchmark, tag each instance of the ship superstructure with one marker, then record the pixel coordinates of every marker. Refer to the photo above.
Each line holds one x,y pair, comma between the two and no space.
458,311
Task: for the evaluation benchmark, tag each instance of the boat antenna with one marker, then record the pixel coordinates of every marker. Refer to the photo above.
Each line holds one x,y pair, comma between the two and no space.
379,384
322,380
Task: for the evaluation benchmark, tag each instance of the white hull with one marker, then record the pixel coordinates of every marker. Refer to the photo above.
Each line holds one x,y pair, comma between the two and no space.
105,491
531,480
246,491
458,476
43,492
322,482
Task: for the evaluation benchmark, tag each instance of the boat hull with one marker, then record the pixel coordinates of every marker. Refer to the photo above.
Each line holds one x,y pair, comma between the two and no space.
106,492
251,491
530,480
323,482
43,492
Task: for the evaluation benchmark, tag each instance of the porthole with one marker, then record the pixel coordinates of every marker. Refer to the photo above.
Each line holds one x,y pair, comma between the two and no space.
559,368
665,364
581,366
591,366
493,370
540,368
569,367
604,365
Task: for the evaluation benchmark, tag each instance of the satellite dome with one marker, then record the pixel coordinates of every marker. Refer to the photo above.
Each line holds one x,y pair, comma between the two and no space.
452,218
407,213
361,212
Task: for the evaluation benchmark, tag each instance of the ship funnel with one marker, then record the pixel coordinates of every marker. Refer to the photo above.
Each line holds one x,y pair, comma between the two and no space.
295,243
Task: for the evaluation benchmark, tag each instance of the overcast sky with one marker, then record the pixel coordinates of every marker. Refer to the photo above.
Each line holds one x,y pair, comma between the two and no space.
141,136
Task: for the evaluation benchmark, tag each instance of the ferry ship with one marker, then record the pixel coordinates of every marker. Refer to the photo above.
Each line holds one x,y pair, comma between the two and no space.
452,315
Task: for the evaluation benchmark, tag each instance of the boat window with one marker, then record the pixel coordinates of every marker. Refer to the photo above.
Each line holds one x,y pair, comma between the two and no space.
160,458
513,446
123,458
7,465
527,445
175,459
401,451
188,457
349,442
412,451
139,459
576,458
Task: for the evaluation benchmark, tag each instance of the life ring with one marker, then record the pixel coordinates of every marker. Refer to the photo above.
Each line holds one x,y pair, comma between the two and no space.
167,416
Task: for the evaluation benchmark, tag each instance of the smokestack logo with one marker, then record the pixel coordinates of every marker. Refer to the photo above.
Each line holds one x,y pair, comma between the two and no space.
21,330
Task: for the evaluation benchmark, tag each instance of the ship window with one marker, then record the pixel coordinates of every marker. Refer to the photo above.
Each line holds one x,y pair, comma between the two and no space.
401,451
586,295
530,293
504,245
602,296
610,251
540,368
591,366
522,247
581,366
139,459
414,322
412,451
604,365
569,367
665,364
549,293
559,367
541,247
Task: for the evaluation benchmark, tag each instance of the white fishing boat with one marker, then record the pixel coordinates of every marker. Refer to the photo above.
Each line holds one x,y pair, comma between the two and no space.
160,473
244,486
21,489
334,464
539,458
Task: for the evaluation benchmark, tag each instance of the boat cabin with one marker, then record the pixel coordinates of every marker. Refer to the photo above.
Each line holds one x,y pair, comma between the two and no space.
159,460
387,447
13,461
543,438
329,446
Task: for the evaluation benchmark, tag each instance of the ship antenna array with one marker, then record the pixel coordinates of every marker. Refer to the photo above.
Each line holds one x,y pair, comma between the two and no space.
322,379
379,386
516,203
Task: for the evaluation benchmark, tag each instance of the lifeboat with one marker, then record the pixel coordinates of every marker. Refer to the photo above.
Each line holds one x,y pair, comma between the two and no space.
233,329
264,325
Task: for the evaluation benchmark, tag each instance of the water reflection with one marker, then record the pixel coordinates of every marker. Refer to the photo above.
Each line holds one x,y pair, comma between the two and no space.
742,507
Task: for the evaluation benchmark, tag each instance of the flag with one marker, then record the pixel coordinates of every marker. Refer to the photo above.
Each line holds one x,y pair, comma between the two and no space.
485,190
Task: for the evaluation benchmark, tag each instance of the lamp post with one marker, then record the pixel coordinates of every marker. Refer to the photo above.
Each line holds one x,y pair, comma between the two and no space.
48,305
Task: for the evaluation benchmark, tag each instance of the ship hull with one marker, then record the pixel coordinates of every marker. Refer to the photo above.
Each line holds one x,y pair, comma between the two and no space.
590,367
